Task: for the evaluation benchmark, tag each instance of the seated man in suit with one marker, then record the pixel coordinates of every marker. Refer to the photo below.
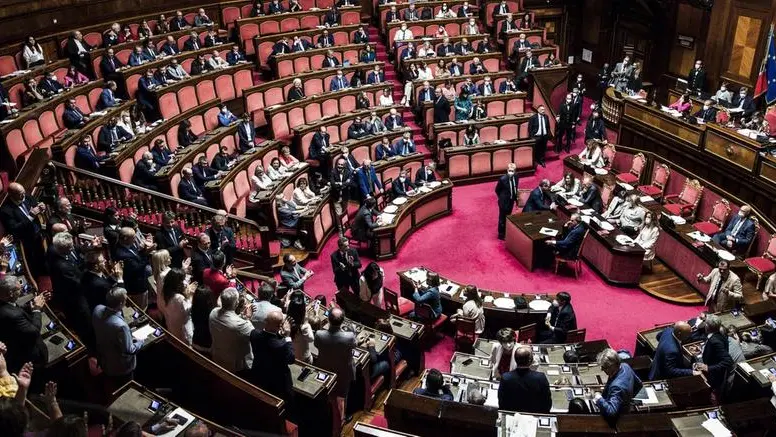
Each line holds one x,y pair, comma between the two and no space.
192,43
384,149
706,114
477,67
188,189
72,117
508,25
222,161
109,64
111,135
376,76
145,172
368,183
203,173
175,71
300,44
621,387
669,361
161,153
405,146
573,232
225,116
339,82
464,48
426,174
330,60
435,387
275,8
590,195
108,97
235,56
402,185
325,39
20,328
357,129
280,48
429,294
539,198
738,233
393,120
523,389
559,321
446,48
85,156
170,46
365,221
49,85
137,57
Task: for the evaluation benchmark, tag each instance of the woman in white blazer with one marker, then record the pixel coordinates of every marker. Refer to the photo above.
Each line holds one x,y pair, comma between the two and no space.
647,237
568,186
592,155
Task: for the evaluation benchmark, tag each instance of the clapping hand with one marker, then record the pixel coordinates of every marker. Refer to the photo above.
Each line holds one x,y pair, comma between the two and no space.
25,376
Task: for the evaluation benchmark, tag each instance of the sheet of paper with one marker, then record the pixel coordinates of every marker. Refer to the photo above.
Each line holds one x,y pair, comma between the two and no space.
644,199
587,211
548,231
525,426
449,288
626,186
765,372
647,396
387,218
716,427
143,332
552,372
746,367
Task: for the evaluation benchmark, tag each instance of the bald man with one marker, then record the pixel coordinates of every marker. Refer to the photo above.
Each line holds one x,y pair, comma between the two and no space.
739,232
523,389
273,352
335,354
669,362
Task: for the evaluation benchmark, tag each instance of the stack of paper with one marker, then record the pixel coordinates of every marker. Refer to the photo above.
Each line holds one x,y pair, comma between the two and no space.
645,199
143,332
716,428
417,275
387,218
548,231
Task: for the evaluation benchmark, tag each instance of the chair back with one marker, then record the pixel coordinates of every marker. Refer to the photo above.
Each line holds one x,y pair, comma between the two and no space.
522,196
770,251
660,176
720,212
638,164
576,336
424,312
391,300
526,333
756,223
609,153
465,328
691,192
606,194
581,245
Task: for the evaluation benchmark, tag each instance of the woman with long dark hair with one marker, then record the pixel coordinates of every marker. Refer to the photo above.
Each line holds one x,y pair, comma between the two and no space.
472,308
177,295
302,333
202,304
371,284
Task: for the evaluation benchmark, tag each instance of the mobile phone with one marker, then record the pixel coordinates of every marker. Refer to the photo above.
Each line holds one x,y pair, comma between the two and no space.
70,345
136,315
305,373
579,391
658,387
158,332
51,325
321,376
356,354
154,406
772,370
383,337
180,419
712,414
565,369
544,422
755,332
57,340
467,361
735,313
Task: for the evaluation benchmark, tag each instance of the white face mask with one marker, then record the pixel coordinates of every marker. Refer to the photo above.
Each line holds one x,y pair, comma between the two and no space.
741,214
723,89
510,173
508,346
402,178
555,303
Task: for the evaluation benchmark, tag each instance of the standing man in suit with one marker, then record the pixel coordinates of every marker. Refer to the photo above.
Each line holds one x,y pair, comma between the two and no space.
669,361
144,174
97,280
341,183
335,354
523,389
539,197
20,327
201,257
72,117
77,51
590,195
573,234
273,352
136,266
368,183
716,362
595,128
539,130
725,291
507,193
441,104
621,74
739,232
19,216
566,119
621,387
559,321
292,275
345,264
116,348
696,79
171,237
246,133
222,237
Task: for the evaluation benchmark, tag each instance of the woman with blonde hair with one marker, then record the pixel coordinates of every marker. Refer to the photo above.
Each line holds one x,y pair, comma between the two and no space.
160,266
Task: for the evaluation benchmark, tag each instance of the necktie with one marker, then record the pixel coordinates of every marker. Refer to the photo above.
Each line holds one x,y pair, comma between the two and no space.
196,46
26,210
737,227
112,64
541,125
404,149
114,138
511,187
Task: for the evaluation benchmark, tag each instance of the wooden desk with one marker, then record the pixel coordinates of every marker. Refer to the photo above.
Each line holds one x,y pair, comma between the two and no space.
525,241
495,317
416,212
506,127
470,366
262,45
434,5
756,370
293,63
426,27
319,222
495,105
550,354
490,61
664,125
427,416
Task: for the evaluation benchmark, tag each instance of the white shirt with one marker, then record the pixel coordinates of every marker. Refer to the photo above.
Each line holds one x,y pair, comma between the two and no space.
425,73
403,35
303,197
386,100
260,183
594,159
31,56
81,48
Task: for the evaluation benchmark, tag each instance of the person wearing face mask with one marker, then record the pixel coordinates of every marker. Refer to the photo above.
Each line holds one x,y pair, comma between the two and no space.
357,130
394,120
111,135
622,385
403,34
403,186
368,183
225,117
566,119
632,216
738,233
706,114
539,199
375,125
404,146
724,96
507,193
595,128
144,173
339,82
696,79
648,235
743,104
539,130
559,321
502,355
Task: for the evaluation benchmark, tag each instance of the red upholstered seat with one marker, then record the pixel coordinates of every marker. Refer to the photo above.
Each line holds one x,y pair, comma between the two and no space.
714,223
659,181
707,228
628,178
396,304
762,264
650,190
633,175
765,264
684,203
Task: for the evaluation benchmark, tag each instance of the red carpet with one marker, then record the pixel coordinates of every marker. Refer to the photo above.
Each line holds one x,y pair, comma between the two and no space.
464,247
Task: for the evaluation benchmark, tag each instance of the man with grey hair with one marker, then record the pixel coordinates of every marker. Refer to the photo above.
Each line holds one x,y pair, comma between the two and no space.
137,268
201,256
725,290
573,231
716,361
620,388
116,349
231,333
474,394
539,199
335,352
222,236
20,327
507,194
65,267
144,174
189,190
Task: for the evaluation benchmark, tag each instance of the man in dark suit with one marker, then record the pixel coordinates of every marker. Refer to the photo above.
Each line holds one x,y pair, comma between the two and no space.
188,189
445,48
411,14
318,145
739,232
559,321
77,51
345,264
409,52
365,221
405,146
178,22
591,195
465,10
566,119
65,267
595,129
325,39
246,133
235,56
524,389
743,104
72,117
716,361
368,183
171,237
539,197
486,87
108,96
507,86
275,7
539,130
161,153
85,156
203,173
507,193
464,48
146,97
696,79
376,76
96,280
20,327
441,107
360,36
281,47
394,120
425,174
144,174
573,233
19,216
49,85
192,44
300,45
357,129
708,113
201,256
341,183
339,82
273,353
109,64
402,185
222,237
621,386
528,63
63,214
668,361
330,60
170,47
507,26
111,135
332,17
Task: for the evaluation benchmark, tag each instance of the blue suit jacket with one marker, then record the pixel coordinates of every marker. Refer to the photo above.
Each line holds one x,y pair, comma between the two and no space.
226,120
399,146
367,181
233,58
72,118
144,92
170,49
569,245
337,84
84,158
668,361
188,192
370,57
382,152
535,201
135,59
373,78
619,392
745,234
161,157
107,100
526,391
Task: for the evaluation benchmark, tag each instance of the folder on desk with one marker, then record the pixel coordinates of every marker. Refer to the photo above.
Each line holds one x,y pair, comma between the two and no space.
548,231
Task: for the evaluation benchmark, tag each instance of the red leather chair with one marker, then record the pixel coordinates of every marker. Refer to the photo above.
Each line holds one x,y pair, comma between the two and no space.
527,333
395,304
660,176
685,203
465,334
576,336
716,221
432,325
633,175
764,265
